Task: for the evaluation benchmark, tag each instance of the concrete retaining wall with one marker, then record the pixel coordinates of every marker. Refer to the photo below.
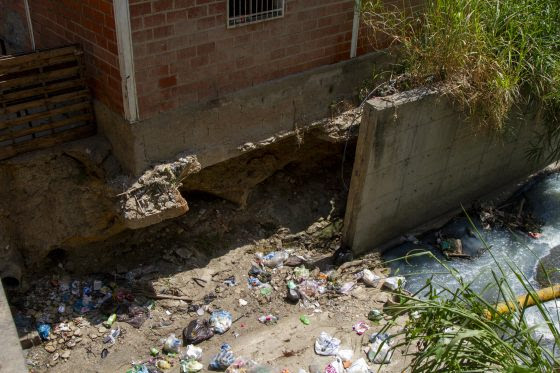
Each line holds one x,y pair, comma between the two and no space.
217,130
418,159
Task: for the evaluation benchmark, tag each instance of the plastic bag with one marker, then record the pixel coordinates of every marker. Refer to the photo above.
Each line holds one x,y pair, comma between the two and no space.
223,359
220,321
346,354
346,288
192,353
326,345
335,367
268,319
369,278
241,365
360,328
191,366
301,273
380,351
359,366
393,283
197,331
172,344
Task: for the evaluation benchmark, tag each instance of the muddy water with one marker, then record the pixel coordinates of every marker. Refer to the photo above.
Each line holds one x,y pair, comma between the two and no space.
507,249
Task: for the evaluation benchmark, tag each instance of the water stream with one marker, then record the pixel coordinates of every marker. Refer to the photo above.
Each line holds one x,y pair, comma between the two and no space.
508,249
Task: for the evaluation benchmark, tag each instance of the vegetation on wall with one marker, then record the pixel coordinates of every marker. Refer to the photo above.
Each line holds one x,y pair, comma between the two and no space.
490,55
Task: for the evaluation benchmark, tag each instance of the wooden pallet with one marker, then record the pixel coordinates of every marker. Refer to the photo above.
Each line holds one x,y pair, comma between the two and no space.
44,100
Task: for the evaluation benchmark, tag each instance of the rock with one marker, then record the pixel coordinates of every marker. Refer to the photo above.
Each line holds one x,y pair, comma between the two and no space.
55,356
50,347
102,330
65,354
77,332
548,268
93,335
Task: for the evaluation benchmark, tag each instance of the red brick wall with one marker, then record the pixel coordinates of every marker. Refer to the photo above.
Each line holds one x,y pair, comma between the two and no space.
89,23
184,53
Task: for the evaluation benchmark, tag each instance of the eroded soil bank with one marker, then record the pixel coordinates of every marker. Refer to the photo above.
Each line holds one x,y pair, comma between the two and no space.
296,204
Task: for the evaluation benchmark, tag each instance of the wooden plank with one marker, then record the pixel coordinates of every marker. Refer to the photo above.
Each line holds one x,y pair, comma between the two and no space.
46,126
14,60
47,141
49,88
46,101
45,114
38,78
37,63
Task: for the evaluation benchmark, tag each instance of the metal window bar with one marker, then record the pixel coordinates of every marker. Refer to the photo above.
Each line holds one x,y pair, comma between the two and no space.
243,12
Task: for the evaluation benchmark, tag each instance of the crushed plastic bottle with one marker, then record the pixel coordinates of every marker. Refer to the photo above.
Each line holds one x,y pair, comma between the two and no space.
109,322
380,351
369,278
221,321
274,259
197,331
112,336
326,345
172,344
393,283
223,359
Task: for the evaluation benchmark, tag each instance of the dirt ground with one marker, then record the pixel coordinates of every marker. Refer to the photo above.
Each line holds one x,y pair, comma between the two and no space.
299,208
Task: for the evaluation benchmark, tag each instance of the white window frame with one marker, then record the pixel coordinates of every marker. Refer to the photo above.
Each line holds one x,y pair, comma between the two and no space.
239,21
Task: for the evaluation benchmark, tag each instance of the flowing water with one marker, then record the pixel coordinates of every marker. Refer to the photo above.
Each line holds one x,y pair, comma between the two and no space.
507,249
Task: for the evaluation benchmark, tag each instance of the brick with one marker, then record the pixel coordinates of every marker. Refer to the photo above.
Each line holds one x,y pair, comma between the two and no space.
205,48
162,5
167,82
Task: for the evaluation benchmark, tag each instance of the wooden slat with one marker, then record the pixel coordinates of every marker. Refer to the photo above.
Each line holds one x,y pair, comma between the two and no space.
49,88
45,114
45,101
36,64
51,75
14,60
47,141
46,126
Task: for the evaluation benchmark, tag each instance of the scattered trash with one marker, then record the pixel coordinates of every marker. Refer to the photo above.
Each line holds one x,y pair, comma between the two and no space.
243,365
112,336
300,273
154,351
274,259
380,351
221,321
61,308
266,290
268,319
393,283
163,364
104,353
346,288
305,319
375,315
342,255
110,320
293,295
223,359
171,344
345,354
535,235
326,345
369,278
197,331
191,366
139,368
359,366
44,331
230,281
335,367
192,352
360,328
242,302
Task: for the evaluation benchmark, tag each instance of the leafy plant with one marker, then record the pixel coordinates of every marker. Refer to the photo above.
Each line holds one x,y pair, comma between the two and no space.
494,57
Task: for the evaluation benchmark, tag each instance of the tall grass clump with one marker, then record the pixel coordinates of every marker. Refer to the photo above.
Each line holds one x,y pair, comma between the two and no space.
454,327
490,55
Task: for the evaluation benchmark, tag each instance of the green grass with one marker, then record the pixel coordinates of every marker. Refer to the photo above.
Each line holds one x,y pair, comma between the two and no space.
492,56
447,330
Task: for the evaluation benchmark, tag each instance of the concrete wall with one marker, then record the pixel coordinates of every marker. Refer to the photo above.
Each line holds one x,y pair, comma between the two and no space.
418,159
215,130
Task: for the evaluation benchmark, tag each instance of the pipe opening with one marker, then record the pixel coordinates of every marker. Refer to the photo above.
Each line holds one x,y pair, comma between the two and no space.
10,282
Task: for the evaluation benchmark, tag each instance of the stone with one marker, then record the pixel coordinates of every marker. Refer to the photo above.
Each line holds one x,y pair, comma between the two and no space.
50,347
102,329
65,354
548,269
93,335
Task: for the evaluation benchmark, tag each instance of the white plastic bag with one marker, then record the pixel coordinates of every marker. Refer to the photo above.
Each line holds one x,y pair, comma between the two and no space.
326,345
369,278
393,283
359,366
380,351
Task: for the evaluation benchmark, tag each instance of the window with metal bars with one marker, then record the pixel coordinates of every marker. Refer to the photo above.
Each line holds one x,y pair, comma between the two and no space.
242,12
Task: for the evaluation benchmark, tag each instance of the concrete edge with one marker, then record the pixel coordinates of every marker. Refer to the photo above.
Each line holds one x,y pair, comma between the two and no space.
11,355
